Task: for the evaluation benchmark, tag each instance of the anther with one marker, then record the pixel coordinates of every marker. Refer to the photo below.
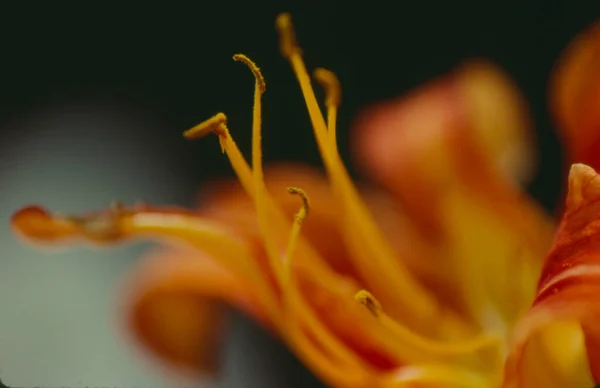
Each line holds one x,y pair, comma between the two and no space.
287,37
260,80
368,300
329,81
216,125
303,212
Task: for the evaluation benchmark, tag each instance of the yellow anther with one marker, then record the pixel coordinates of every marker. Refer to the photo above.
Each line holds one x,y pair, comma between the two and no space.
333,99
216,124
303,212
260,80
287,37
368,300
329,81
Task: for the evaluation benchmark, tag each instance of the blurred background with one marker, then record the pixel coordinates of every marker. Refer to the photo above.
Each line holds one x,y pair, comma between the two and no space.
95,96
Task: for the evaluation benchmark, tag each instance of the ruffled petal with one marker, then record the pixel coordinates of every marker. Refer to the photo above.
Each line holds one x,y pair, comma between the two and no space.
170,307
174,306
452,153
575,97
170,302
559,338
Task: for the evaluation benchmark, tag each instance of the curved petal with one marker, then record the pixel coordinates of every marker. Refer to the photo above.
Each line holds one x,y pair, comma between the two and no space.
167,310
377,352
173,305
452,153
167,300
561,329
575,97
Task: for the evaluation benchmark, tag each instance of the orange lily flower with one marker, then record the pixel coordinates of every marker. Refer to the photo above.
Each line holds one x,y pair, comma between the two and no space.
437,279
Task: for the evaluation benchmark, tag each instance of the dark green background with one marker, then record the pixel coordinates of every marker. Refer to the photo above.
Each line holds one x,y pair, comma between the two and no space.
171,60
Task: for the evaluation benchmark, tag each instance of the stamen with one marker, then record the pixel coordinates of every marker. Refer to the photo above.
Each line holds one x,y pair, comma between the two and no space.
289,287
333,99
260,191
303,212
217,125
331,84
295,232
296,310
373,255
411,346
287,36
121,223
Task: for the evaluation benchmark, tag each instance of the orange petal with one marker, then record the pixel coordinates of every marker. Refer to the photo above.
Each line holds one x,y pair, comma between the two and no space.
173,306
575,97
452,153
457,128
177,284
568,293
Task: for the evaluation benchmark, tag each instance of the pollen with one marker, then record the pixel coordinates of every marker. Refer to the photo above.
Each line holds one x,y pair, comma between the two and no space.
216,124
303,212
333,98
368,300
294,234
260,80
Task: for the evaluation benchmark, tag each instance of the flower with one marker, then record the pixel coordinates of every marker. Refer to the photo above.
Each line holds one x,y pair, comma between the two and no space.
436,279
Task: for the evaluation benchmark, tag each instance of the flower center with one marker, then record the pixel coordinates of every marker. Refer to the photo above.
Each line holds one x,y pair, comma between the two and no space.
383,272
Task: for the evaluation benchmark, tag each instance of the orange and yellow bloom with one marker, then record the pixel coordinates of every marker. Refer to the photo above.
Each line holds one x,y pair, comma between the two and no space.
441,277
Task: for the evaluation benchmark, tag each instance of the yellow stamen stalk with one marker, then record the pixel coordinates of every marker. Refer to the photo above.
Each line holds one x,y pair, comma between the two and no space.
373,255
218,125
260,191
482,351
253,181
297,225
294,301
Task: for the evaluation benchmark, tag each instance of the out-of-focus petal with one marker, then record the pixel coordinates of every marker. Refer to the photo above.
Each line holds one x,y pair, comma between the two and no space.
174,306
452,153
477,99
561,328
498,118
575,97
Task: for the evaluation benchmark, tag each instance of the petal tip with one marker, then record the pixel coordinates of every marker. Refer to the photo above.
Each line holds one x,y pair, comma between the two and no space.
35,223
583,186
